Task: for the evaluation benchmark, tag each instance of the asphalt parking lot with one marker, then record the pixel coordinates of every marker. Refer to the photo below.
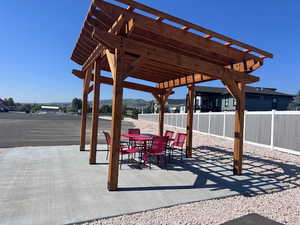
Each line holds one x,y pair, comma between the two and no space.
20,129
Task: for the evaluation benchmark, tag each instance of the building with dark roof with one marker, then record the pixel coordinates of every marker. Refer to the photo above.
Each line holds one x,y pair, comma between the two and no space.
214,99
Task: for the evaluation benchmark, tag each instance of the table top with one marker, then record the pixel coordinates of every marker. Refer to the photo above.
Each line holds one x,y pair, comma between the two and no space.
139,137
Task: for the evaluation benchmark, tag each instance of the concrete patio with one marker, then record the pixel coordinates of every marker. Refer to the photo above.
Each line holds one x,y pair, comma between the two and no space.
56,185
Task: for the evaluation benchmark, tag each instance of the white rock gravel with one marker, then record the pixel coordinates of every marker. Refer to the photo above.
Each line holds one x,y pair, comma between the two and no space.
282,206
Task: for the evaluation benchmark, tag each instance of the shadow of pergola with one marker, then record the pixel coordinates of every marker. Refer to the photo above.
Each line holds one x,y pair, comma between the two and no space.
214,164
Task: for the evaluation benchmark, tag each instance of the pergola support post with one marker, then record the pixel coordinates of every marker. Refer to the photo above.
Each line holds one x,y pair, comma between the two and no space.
116,62
161,118
239,131
190,115
84,108
162,99
94,129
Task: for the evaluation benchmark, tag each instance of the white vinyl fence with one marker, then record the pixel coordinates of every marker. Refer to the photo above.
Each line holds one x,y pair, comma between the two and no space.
278,130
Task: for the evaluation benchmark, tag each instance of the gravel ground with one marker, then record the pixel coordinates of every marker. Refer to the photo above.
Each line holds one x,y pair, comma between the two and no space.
280,205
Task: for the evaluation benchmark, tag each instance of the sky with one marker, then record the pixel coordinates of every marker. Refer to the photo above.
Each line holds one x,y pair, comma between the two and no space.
37,38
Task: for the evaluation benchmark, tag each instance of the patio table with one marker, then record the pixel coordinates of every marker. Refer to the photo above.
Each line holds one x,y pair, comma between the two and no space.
141,138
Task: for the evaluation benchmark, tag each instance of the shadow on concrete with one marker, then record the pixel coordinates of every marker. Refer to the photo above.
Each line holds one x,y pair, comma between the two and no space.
214,164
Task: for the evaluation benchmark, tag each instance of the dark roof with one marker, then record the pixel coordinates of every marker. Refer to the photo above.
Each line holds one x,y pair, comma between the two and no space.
248,89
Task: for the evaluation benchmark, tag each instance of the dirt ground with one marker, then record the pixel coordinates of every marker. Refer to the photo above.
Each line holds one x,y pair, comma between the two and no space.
20,129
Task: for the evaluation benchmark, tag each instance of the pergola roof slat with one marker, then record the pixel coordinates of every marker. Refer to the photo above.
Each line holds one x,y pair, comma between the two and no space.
196,51
193,26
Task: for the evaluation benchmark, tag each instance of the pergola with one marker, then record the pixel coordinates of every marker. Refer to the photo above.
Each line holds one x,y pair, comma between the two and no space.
158,48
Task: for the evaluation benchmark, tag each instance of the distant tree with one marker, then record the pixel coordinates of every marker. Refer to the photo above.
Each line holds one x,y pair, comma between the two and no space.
35,108
76,104
124,108
106,109
63,108
26,108
295,104
9,102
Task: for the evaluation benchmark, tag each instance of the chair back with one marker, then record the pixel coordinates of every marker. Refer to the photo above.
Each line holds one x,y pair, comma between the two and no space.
134,131
179,140
158,144
107,137
169,134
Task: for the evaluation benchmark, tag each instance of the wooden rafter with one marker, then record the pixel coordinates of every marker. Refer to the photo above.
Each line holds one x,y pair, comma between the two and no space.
154,53
125,84
190,25
184,81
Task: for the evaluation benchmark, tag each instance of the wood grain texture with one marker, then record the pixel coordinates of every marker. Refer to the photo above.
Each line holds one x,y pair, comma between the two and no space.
84,108
190,115
95,112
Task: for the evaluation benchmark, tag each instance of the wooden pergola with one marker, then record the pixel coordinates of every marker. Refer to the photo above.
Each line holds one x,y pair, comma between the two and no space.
163,49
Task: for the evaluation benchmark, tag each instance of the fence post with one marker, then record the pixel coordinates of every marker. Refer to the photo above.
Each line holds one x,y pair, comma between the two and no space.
209,118
224,125
272,129
245,115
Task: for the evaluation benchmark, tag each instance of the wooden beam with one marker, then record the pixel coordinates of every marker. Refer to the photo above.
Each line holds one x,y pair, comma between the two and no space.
95,113
239,131
192,26
78,74
167,31
122,17
169,57
190,115
167,35
161,118
162,99
113,170
84,109
134,66
184,81
108,21
125,84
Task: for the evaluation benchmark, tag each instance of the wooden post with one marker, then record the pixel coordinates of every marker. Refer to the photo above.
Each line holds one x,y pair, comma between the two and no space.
94,129
117,67
161,117
190,115
239,131
84,108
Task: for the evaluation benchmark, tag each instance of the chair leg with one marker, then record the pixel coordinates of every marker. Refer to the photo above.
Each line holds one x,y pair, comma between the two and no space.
165,161
107,152
181,153
121,161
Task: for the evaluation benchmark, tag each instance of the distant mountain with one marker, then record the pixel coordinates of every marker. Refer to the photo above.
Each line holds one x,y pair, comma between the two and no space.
130,102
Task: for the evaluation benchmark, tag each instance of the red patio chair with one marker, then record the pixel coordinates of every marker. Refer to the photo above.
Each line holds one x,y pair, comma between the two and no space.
107,138
178,143
157,148
169,134
133,143
124,150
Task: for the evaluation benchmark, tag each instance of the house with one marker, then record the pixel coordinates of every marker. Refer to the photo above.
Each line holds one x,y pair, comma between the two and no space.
3,107
217,99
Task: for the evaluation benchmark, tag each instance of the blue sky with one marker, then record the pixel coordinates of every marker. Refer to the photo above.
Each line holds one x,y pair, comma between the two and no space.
37,38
